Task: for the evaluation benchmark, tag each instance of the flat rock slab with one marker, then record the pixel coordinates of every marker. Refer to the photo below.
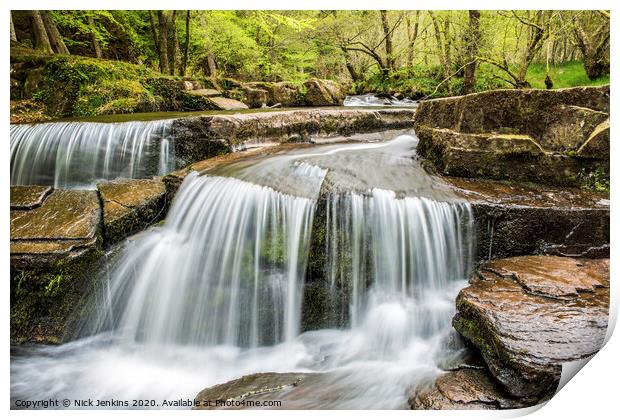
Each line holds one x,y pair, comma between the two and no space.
529,315
205,92
130,205
27,197
64,214
463,389
227,104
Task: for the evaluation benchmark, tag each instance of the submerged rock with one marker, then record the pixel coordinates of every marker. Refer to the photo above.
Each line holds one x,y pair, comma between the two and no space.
250,391
524,135
130,205
464,389
528,315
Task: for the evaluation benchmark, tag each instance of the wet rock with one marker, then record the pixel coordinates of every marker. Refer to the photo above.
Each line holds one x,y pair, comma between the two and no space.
199,138
464,389
131,205
523,135
513,219
251,388
597,145
528,315
227,104
323,93
54,241
28,197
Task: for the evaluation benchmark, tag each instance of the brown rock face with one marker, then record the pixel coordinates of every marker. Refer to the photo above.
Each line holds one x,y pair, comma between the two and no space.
464,389
131,205
28,196
514,219
523,135
55,238
528,315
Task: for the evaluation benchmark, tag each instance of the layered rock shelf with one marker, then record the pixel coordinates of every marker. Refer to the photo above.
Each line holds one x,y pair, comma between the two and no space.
57,240
202,137
558,137
522,219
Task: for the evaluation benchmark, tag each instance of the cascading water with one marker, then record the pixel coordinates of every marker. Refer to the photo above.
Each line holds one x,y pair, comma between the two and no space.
77,154
370,99
216,293
227,244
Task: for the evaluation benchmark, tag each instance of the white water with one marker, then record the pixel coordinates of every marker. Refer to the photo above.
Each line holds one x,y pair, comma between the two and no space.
373,100
196,303
77,154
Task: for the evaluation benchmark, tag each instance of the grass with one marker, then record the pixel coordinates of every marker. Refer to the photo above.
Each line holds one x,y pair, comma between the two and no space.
569,74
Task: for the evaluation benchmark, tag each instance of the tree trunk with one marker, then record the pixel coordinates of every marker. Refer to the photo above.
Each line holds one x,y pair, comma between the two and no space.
13,35
389,60
472,46
164,66
412,37
594,51
93,36
40,39
175,56
186,46
56,42
154,32
440,48
347,61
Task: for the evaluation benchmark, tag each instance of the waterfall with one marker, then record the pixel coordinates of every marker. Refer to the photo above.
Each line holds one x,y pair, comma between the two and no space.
395,256
78,154
217,291
226,268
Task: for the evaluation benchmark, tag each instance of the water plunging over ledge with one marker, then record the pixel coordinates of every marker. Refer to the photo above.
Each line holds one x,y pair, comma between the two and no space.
217,291
78,154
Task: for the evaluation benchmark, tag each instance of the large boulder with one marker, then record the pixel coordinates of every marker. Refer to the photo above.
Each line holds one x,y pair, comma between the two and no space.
55,241
323,93
131,205
522,135
529,315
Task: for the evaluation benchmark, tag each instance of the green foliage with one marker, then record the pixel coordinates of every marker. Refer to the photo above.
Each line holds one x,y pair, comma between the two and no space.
564,75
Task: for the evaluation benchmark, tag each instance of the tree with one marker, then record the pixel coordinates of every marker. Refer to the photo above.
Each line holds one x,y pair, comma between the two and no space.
593,44
40,39
186,46
472,43
13,35
163,41
93,36
387,35
412,37
56,41
175,50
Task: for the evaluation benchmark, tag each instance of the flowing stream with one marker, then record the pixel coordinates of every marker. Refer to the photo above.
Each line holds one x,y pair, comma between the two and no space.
217,292
78,154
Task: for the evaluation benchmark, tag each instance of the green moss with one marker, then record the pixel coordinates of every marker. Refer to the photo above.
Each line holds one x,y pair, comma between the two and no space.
45,300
